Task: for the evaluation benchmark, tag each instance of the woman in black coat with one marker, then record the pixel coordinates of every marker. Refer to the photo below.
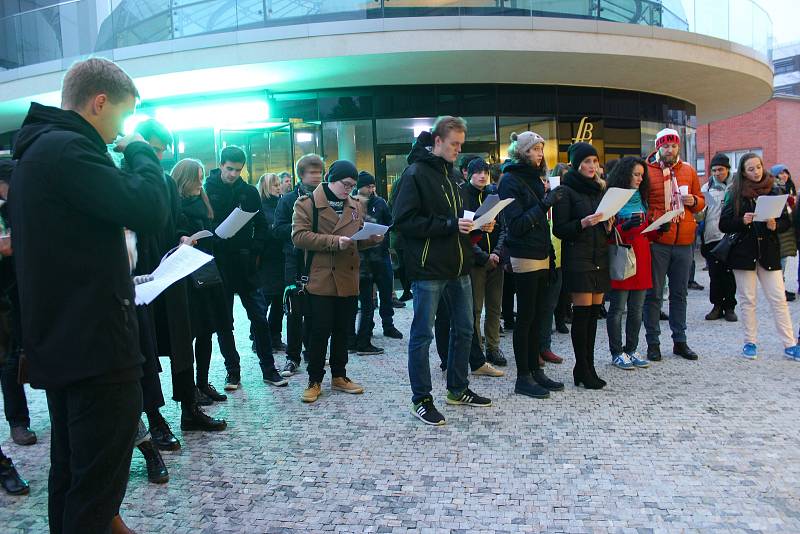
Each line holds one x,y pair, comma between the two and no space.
756,253
584,254
271,270
531,255
209,311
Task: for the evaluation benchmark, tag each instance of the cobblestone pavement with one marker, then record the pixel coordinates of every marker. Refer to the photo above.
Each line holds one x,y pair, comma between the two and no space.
700,446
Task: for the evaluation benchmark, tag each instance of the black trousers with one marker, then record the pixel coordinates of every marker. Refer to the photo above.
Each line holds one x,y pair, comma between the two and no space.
91,443
15,403
330,318
562,308
532,295
152,395
441,334
723,284
297,326
401,271
509,290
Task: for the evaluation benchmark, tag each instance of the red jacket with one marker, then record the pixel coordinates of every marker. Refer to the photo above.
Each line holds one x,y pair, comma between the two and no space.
643,279
683,232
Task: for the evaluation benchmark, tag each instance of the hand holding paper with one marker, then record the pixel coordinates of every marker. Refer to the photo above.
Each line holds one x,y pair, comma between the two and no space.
664,219
369,230
613,201
769,207
233,223
485,217
184,261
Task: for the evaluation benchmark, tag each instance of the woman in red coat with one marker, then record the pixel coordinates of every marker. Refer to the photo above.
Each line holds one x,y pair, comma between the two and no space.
630,173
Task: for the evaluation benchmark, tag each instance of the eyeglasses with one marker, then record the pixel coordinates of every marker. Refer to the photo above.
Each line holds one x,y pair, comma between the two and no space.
348,186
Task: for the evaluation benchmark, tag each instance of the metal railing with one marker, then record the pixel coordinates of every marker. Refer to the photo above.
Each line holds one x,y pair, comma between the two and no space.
75,28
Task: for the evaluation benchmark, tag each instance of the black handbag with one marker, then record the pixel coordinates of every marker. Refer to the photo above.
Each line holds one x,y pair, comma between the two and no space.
722,250
206,276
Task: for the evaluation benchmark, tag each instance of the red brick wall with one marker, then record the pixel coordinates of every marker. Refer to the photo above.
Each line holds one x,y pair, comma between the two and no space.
773,127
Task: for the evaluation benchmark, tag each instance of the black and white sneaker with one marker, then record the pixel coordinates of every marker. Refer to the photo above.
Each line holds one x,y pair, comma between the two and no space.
468,398
367,349
232,382
426,412
289,369
274,377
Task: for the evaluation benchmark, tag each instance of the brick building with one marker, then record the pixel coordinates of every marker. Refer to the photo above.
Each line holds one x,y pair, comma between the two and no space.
771,130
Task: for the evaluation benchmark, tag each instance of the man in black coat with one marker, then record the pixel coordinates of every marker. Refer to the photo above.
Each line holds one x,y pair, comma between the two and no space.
69,205
238,258
429,214
309,169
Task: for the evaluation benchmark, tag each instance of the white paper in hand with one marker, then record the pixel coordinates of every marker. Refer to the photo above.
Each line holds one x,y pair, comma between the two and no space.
555,181
613,200
184,261
769,207
233,223
369,230
487,204
664,219
200,235
491,214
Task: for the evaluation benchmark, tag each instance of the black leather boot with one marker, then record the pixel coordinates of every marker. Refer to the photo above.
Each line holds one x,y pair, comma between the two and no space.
193,418
162,437
543,380
581,374
10,479
597,312
156,469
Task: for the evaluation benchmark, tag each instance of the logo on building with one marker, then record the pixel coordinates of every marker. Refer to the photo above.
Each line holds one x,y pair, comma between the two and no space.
585,129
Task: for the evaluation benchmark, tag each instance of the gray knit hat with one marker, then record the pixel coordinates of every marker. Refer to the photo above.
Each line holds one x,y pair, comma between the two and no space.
526,140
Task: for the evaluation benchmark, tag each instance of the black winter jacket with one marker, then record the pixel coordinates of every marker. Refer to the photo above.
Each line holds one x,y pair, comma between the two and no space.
377,211
492,243
237,257
527,228
426,210
582,249
69,204
282,229
272,261
756,243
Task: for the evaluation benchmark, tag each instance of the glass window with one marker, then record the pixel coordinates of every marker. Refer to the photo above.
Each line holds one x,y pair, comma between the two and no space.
784,65
544,126
700,165
350,140
306,139
198,144
345,107
401,131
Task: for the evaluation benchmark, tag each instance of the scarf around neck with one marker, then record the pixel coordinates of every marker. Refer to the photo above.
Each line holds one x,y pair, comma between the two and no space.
672,198
751,189
634,205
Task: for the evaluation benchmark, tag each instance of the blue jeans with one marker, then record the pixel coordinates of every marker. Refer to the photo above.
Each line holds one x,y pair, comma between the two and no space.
673,261
546,326
457,294
633,322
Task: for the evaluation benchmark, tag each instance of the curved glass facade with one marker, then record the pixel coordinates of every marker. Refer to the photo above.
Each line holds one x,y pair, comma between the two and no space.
375,126
35,31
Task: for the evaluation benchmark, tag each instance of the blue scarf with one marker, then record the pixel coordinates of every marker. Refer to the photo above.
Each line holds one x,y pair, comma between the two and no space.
634,205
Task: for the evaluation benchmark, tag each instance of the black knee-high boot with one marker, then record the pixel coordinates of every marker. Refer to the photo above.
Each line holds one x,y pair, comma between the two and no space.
581,373
596,313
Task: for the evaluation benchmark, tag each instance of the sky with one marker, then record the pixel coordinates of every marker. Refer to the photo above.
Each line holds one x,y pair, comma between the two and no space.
785,15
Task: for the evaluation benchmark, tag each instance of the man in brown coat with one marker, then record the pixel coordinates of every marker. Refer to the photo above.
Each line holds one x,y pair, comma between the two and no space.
322,225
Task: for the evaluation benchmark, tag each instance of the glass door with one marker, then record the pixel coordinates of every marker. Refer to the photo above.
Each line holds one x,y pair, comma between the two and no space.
267,149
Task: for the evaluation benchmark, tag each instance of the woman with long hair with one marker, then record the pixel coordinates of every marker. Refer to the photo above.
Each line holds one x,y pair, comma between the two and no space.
530,254
584,247
271,268
630,173
206,300
755,255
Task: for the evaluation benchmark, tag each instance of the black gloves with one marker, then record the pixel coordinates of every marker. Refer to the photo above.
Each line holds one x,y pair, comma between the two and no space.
552,196
634,221
664,227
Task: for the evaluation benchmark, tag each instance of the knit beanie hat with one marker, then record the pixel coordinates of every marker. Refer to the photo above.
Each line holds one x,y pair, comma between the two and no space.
364,179
720,160
578,152
340,170
526,140
477,165
779,168
667,135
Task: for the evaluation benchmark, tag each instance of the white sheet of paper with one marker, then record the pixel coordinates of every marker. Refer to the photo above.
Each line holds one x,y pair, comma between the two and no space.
469,215
491,213
369,230
200,235
555,181
613,200
177,265
233,223
2,201
769,207
684,189
487,204
667,217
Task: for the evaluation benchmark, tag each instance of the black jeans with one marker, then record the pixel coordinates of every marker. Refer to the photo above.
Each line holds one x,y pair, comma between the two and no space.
723,284
92,431
378,273
531,311
296,326
330,318
275,304
401,271
509,290
15,403
256,307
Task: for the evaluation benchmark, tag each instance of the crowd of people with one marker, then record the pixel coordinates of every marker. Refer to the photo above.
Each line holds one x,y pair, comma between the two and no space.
82,226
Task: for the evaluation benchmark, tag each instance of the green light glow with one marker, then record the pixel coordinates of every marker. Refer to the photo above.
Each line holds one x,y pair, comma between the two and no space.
133,121
231,115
